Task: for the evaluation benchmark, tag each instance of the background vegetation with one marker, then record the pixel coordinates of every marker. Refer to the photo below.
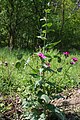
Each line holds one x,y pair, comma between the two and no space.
38,60
21,22
27,89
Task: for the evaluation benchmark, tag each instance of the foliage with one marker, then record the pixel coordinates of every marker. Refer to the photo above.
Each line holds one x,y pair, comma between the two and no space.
60,17
37,77
38,83
37,104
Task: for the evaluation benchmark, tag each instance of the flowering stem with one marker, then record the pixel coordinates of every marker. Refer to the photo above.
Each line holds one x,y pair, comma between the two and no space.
45,32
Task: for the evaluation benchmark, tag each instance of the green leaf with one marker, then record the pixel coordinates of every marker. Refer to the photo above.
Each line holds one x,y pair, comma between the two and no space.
22,63
19,56
51,45
59,114
49,56
49,69
34,75
38,83
18,65
35,71
45,98
43,38
58,96
44,31
47,10
51,107
47,24
44,25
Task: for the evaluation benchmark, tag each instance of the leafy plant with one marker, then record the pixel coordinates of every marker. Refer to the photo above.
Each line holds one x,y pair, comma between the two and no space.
36,81
41,89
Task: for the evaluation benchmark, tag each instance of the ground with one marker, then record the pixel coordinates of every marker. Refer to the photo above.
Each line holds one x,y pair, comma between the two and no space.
69,102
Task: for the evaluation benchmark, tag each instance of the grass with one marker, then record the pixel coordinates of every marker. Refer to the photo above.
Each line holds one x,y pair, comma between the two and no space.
15,81
21,76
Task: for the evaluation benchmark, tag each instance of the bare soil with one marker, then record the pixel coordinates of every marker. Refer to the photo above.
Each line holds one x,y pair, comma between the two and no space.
69,102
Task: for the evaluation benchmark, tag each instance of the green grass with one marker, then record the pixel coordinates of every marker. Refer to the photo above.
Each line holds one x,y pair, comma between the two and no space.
10,77
13,79
18,81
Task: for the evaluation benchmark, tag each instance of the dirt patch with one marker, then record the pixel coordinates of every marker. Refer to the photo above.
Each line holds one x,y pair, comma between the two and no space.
69,102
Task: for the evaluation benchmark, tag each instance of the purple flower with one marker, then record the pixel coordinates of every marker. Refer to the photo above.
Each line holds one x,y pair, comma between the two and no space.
66,53
75,59
41,55
72,63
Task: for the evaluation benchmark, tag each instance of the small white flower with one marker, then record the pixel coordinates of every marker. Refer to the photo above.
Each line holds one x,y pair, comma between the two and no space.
28,60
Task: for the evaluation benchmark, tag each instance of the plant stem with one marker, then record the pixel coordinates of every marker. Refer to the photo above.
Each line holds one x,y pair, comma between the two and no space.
45,32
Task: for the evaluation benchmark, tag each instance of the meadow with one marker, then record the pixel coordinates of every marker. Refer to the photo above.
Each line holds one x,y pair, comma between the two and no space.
30,80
